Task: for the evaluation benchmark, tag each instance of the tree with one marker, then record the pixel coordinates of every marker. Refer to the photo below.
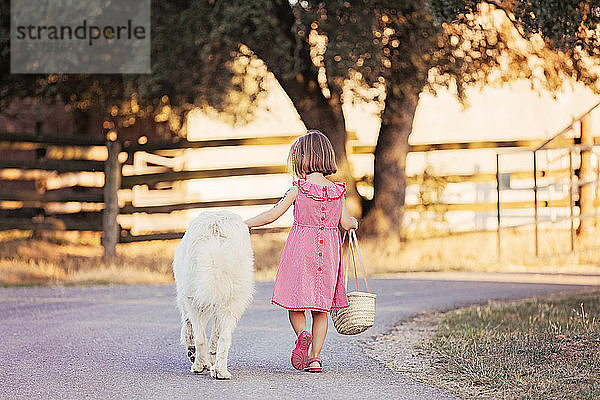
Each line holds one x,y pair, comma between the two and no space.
183,73
409,47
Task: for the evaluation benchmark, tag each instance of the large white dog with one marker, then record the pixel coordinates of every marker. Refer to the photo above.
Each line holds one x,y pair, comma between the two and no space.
213,269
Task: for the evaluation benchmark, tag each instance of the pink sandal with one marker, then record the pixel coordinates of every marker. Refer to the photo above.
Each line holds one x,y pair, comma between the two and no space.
314,369
300,353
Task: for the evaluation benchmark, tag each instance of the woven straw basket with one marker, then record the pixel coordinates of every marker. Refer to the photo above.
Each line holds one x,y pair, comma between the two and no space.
360,315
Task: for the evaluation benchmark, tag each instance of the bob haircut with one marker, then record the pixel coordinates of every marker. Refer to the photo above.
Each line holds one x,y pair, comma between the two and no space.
310,153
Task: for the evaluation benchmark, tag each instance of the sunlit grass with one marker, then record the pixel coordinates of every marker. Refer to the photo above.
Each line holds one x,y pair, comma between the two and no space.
546,348
77,259
25,260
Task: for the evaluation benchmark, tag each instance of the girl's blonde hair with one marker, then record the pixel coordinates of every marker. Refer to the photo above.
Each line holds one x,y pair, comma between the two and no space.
310,153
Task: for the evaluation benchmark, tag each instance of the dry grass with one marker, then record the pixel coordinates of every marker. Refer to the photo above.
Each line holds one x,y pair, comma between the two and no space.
28,261
463,252
477,251
77,259
546,348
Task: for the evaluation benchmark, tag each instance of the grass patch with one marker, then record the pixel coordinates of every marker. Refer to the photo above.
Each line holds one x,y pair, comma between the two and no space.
544,348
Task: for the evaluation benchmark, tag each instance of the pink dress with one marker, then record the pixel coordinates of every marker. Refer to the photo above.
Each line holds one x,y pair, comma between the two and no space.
310,275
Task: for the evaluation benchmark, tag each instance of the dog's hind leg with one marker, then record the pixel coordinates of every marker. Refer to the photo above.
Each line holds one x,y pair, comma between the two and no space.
227,324
187,332
198,319
214,338
187,338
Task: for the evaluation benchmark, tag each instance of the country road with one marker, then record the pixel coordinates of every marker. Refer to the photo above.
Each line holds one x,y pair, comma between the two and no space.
121,342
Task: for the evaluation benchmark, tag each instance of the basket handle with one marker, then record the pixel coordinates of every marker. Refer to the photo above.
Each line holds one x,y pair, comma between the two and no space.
352,245
360,260
348,262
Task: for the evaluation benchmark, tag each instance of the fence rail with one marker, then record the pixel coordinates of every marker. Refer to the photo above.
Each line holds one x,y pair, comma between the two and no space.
153,178
51,223
167,208
58,140
52,197
55,165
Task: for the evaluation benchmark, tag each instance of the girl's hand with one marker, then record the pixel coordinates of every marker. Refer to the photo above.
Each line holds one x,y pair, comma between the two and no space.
346,220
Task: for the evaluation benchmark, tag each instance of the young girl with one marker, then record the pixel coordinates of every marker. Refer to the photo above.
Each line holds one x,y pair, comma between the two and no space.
310,276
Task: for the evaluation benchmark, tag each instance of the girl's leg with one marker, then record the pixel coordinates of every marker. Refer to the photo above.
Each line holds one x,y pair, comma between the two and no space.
298,321
319,331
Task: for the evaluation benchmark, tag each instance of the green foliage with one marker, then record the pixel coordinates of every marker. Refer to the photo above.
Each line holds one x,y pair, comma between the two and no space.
197,59
205,52
201,54
570,30
412,44
564,24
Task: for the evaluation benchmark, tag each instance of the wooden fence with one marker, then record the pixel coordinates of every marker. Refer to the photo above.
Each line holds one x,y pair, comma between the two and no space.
581,177
27,206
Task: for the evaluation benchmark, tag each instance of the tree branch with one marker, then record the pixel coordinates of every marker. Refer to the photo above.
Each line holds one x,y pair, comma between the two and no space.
498,5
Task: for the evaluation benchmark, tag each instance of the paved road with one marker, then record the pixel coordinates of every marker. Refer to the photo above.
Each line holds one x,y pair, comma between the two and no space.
121,342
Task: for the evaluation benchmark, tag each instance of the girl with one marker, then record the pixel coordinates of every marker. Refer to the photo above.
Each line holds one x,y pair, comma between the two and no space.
310,276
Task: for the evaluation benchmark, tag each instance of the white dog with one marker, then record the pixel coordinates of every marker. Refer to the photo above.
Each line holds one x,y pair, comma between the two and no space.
213,269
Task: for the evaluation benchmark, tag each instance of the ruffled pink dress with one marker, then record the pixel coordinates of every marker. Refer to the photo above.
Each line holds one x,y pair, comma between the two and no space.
310,274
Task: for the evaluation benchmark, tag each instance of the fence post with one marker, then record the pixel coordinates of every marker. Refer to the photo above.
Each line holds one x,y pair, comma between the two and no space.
535,204
112,183
498,242
571,202
585,178
40,183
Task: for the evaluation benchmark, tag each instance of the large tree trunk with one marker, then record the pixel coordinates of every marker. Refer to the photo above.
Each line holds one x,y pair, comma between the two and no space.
385,211
318,112
315,110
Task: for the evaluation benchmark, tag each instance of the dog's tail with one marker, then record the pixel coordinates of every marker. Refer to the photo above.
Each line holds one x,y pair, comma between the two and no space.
216,229
217,225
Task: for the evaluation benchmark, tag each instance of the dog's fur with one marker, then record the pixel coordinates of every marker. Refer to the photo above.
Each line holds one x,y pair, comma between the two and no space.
213,270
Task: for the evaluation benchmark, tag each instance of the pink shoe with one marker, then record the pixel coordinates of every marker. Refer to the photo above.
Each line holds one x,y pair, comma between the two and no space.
300,353
313,368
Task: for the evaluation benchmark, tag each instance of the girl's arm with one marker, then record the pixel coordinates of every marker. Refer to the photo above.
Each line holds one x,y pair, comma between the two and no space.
277,211
348,222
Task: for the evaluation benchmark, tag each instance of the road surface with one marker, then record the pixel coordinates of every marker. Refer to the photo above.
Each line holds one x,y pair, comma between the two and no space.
121,342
